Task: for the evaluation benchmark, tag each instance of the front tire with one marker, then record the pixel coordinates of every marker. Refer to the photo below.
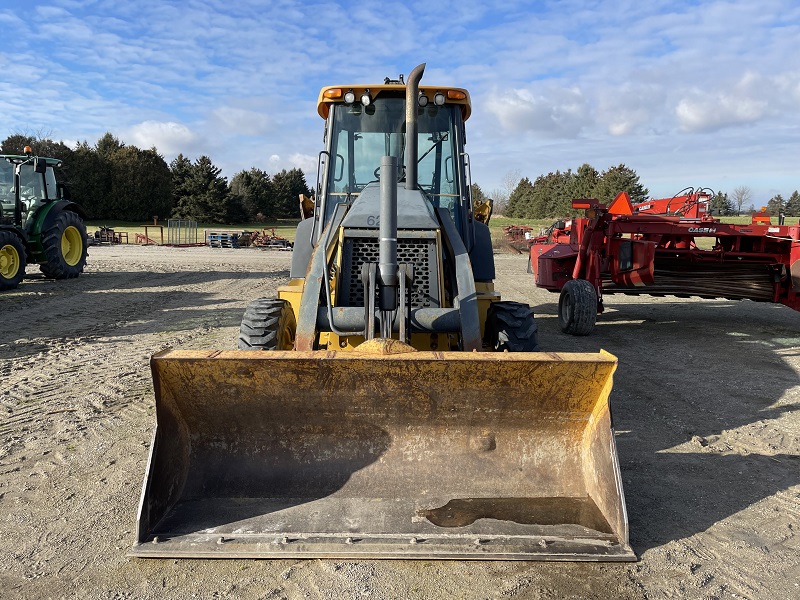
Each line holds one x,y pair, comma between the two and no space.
65,247
511,326
577,307
267,324
12,260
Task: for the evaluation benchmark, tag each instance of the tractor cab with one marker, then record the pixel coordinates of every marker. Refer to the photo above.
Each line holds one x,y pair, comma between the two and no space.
364,124
26,183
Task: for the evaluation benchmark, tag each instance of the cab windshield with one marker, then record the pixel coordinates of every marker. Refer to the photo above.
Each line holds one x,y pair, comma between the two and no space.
361,135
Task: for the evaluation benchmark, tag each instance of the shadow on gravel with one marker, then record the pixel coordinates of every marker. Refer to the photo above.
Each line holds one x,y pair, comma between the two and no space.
696,387
110,307
135,279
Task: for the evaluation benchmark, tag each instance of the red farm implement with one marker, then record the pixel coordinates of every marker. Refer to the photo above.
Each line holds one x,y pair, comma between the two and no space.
616,249
267,238
689,203
518,237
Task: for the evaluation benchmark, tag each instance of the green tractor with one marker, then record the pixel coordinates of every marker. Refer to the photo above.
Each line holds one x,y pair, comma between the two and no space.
38,221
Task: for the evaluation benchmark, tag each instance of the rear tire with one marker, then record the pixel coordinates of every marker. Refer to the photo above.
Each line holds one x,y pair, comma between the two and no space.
511,326
65,247
267,324
577,307
12,260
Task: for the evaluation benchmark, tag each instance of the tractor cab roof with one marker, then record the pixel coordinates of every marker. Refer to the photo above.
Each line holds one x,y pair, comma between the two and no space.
21,158
335,94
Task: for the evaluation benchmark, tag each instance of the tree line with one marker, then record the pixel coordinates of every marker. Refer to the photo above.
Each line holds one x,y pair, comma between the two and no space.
789,207
115,181
551,195
741,200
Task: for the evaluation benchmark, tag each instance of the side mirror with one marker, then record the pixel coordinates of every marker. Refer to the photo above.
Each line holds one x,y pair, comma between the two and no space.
39,165
62,191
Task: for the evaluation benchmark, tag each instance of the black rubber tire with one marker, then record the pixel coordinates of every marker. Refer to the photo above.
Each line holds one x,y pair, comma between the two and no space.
12,260
577,307
511,326
267,324
65,247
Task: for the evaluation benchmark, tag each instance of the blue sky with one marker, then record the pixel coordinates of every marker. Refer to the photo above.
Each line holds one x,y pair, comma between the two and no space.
686,93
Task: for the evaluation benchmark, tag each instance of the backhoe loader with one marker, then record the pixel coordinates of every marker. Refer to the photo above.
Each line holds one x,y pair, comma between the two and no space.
388,403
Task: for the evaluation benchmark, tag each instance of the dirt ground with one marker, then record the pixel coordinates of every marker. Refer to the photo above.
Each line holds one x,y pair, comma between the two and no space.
705,406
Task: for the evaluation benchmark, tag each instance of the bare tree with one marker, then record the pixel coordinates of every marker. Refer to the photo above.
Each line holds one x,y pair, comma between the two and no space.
511,181
741,195
500,200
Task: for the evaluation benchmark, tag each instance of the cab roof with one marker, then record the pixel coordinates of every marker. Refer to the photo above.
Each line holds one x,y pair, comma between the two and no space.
324,102
18,158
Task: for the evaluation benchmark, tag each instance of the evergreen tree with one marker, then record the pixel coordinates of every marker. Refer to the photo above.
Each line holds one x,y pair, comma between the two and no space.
287,187
478,197
205,194
549,196
236,211
792,208
141,184
584,182
619,179
721,205
254,189
180,169
15,144
107,145
89,180
775,205
40,146
519,199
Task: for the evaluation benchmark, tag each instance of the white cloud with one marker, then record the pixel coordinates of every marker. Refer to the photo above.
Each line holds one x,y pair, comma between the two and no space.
702,112
239,121
169,138
304,162
752,98
559,112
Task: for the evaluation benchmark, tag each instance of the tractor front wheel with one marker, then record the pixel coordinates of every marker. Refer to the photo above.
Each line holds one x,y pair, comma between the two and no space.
12,260
511,326
64,245
577,307
267,324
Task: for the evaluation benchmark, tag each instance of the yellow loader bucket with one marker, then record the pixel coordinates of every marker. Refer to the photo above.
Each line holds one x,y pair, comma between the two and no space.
431,455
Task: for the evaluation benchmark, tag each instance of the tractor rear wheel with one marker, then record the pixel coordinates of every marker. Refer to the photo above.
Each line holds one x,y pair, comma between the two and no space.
267,324
511,326
12,260
64,244
577,307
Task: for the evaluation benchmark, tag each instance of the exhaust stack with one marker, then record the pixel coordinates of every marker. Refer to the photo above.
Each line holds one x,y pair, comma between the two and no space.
412,91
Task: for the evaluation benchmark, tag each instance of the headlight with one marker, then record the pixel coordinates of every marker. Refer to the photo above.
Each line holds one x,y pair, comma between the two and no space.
349,97
439,99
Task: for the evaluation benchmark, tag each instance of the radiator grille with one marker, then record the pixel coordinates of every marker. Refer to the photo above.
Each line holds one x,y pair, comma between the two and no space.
418,252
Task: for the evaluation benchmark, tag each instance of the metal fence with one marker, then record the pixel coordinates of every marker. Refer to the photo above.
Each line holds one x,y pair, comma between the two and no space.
181,232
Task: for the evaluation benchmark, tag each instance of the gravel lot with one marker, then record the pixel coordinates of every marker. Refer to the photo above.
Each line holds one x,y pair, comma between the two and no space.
705,407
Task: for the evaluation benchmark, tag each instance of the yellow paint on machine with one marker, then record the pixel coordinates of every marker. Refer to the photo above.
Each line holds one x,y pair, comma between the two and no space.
383,453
